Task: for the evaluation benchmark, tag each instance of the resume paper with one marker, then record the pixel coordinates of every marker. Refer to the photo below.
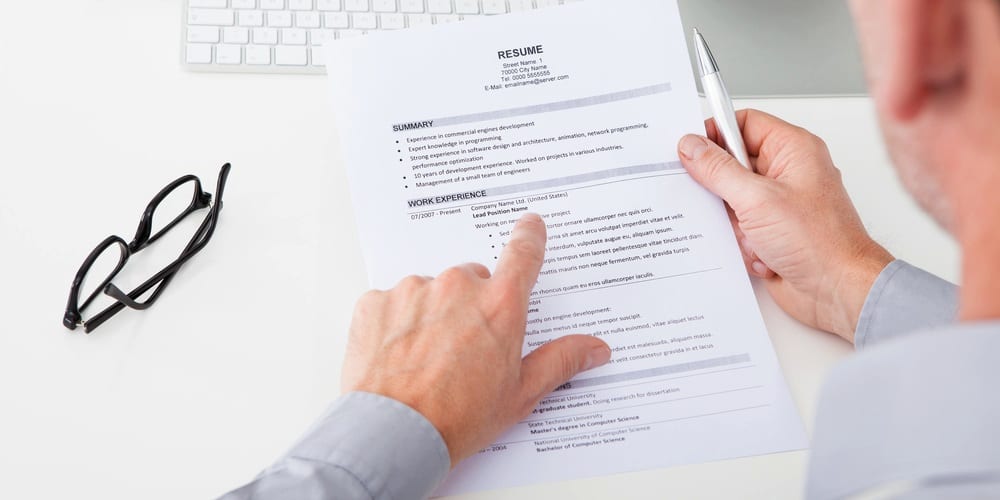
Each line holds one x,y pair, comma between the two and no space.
452,132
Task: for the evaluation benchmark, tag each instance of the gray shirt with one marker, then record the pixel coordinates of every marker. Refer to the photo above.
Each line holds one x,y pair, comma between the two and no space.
909,417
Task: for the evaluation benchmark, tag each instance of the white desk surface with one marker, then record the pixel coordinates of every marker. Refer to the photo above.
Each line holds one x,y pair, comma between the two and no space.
196,395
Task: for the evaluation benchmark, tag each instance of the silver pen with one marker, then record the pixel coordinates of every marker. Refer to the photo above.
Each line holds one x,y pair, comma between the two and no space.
720,102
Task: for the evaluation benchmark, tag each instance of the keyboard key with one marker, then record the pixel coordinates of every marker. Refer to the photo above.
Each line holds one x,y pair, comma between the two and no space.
258,54
250,18
349,33
467,6
212,4
439,6
228,54
546,3
236,35
384,5
364,21
265,36
494,7
272,4
336,20
290,56
279,19
199,53
446,18
415,6
317,57
328,4
392,21
244,4
320,37
203,34
293,36
356,5
419,20
521,5
300,4
307,19
210,17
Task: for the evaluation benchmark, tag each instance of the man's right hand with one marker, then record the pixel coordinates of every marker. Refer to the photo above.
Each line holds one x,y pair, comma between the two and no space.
795,223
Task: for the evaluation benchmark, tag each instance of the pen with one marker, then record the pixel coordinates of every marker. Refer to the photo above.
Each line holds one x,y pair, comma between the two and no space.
720,102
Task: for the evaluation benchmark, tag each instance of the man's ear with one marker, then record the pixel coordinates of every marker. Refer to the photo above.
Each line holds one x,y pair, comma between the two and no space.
924,48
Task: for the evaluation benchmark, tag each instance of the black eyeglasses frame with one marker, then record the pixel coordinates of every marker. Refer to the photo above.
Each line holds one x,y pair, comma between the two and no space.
73,318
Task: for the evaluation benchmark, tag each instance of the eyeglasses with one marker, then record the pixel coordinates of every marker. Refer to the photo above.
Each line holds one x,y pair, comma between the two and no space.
144,236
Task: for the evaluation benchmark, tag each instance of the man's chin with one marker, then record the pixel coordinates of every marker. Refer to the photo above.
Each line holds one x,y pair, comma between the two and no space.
928,194
916,173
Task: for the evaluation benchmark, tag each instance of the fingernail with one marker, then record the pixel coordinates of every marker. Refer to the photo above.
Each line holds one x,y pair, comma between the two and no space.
531,217
759,267
693,146
598,356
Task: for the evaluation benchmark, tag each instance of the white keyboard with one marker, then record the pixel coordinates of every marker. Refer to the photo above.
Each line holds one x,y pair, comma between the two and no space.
285,36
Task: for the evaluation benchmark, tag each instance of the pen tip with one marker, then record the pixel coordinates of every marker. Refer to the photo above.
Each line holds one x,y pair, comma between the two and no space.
706,61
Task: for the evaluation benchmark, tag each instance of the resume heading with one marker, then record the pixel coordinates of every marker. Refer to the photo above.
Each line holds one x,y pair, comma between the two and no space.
520,52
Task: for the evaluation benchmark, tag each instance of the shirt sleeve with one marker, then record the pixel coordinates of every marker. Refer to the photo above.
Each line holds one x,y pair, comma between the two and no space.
365,446
911,419
903,300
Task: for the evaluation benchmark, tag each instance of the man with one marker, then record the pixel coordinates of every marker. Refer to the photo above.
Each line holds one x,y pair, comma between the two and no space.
434,369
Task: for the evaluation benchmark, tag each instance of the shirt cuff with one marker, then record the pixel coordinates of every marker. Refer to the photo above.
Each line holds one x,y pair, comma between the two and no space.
903,300
390,448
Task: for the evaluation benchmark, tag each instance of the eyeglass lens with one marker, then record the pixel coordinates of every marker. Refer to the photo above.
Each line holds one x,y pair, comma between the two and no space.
177,204
103,269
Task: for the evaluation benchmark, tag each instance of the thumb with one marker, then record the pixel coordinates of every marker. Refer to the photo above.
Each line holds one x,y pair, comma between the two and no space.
552,364
717,170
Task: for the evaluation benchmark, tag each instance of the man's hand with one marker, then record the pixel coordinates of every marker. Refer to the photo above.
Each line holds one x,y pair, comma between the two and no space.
794,221
450,347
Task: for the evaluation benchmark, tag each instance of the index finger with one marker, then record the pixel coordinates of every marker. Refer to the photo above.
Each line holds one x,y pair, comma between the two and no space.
522,258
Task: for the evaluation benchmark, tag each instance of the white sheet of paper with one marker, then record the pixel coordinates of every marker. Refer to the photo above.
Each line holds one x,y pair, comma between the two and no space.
452,132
